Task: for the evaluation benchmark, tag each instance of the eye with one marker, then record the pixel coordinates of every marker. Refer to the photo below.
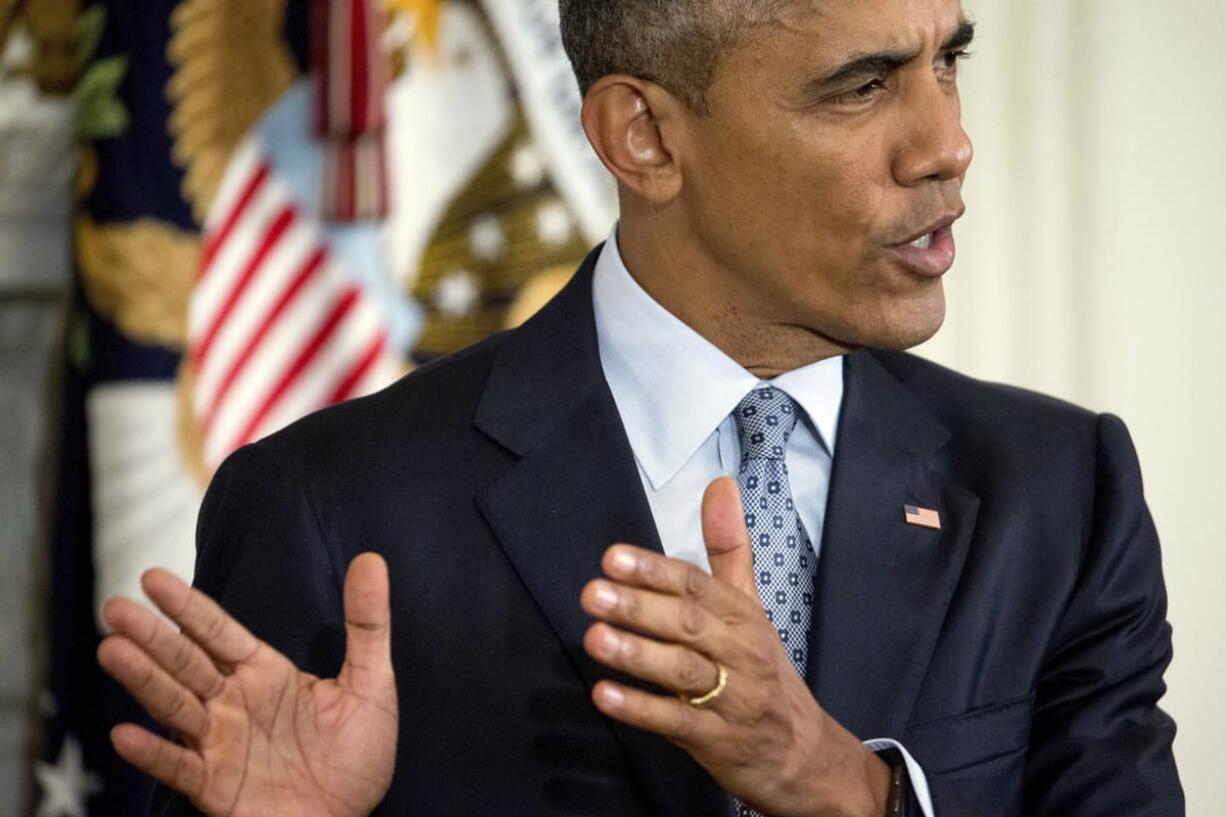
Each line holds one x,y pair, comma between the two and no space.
947,62
864,93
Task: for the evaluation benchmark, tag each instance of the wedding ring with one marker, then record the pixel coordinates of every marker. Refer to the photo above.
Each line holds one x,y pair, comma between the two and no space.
709,698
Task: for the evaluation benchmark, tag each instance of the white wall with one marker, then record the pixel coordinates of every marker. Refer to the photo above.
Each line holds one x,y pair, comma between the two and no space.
1091,267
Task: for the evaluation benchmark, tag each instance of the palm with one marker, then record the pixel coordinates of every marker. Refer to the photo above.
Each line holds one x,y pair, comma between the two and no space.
312,746
258,736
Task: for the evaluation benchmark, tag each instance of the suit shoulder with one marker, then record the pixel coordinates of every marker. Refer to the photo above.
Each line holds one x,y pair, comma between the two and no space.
1018,448
431,406
970,404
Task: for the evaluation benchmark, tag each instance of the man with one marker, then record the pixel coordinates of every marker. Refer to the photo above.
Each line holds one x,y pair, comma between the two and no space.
964,575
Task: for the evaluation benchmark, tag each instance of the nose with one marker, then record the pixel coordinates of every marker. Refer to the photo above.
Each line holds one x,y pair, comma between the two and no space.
934,146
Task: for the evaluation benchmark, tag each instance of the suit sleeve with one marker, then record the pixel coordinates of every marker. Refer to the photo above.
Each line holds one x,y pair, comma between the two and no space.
261,554
1100,746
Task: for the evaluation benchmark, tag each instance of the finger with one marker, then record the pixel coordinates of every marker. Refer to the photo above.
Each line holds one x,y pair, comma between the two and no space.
172,651
368,630
729,548
169,702
653,571
170,764
679,669
201,618
675,619
680,722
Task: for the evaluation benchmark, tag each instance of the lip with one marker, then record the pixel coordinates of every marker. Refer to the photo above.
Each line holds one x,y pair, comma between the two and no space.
937,259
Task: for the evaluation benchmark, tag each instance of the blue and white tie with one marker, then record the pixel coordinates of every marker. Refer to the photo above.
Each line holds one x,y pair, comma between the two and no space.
783,557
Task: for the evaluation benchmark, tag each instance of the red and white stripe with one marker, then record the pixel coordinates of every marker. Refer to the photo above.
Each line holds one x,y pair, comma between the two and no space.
923,517
277,328
351,72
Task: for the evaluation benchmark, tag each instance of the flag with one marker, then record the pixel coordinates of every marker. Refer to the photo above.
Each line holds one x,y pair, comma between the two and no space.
276,327
220,295
923,517
351,72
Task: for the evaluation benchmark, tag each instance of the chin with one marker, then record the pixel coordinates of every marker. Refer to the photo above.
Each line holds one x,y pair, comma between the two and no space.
899,332
910,339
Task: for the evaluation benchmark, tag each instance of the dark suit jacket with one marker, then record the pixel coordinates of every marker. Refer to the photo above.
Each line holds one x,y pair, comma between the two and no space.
1018,652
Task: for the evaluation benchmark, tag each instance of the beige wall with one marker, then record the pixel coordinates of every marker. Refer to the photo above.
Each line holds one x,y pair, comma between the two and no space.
1091,267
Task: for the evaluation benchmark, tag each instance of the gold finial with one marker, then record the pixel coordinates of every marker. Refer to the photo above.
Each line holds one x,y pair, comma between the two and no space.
426,14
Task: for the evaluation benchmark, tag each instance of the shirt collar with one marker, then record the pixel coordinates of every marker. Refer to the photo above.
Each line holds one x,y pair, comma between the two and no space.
672,386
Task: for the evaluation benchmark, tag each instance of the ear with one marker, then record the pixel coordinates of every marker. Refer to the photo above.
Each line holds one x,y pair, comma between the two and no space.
633,125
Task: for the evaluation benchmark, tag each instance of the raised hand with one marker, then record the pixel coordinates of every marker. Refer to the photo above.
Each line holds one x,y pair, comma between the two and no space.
256,737
761,734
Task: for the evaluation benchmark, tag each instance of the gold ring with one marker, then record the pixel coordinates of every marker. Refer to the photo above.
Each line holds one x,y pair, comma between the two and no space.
716,691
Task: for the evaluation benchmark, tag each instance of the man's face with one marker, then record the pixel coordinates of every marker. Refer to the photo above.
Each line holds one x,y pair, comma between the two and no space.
834,140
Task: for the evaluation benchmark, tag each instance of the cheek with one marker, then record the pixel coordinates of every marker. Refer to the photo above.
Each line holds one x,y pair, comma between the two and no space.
831,226
799,203
834,185
856,179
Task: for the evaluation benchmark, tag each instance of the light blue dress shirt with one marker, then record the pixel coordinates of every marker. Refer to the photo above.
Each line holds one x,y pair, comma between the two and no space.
675,392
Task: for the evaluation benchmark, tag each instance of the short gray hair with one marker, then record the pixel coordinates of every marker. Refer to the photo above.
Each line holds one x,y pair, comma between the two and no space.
674,43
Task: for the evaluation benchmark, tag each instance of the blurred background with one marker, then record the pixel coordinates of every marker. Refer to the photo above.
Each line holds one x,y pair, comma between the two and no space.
209,227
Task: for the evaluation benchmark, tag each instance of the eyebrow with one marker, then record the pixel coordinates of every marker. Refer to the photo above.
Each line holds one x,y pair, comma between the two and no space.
883,62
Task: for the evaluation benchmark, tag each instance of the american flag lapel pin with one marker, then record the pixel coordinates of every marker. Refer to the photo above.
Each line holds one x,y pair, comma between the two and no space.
923,517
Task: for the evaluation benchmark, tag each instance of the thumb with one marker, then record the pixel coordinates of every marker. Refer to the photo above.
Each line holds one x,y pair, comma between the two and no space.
727,539
368,626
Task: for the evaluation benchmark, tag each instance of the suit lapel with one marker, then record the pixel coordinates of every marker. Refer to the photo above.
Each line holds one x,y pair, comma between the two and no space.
883,585
574,492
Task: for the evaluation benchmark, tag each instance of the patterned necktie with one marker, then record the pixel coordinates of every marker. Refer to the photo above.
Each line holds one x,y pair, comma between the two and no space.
783,557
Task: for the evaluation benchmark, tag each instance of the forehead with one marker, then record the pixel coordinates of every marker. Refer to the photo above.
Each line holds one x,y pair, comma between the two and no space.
832,29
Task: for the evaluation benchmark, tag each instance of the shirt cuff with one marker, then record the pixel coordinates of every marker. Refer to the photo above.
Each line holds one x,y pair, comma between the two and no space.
919,783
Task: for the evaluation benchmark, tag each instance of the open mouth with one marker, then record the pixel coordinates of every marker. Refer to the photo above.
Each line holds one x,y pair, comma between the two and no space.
930,255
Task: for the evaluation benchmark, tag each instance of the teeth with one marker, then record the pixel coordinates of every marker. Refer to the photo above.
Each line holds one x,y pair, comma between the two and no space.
923,242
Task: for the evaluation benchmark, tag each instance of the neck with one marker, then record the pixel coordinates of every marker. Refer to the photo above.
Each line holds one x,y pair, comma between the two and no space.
717,304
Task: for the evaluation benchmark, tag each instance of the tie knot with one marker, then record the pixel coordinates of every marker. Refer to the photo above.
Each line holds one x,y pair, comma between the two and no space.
764,421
